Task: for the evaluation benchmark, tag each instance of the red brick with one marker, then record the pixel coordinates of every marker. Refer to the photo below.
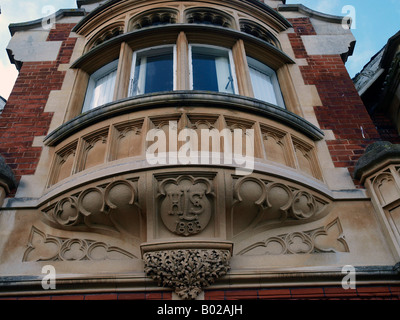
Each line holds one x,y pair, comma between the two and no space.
274,294
35,298
25,107
107,296
307,293
131,296
68,297
241,294
374,291
339,292
214,295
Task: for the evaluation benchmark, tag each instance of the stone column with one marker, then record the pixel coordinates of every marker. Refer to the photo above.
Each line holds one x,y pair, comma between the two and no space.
379,170
7,180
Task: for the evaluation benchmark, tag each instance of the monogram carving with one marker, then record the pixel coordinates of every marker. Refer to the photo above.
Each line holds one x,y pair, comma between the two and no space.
321,240
269,204
185,205
187,271
106,208
43,247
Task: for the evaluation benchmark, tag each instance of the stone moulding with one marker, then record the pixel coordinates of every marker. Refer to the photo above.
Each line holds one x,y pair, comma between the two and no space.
187,267
375,156
183,98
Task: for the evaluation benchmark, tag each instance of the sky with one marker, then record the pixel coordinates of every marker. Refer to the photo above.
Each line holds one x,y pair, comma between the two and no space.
374,21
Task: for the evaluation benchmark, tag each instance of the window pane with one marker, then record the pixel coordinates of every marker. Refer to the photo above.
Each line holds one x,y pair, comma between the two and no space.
205,72
265,83
159,73
211,70
262,86
101,86
154,72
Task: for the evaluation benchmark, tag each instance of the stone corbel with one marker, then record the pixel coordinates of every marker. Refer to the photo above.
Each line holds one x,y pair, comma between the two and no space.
187,267
7,180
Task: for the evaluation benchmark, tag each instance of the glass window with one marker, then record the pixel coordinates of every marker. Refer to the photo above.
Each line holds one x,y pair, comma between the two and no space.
153,71
212,69
101,86
265,83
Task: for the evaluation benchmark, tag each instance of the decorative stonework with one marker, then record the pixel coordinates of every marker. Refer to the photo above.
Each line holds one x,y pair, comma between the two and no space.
110,207
44,247
188,271
185,207
269,204
328,239
207,16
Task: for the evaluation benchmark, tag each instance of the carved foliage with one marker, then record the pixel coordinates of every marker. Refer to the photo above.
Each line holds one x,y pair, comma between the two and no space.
260,205
43,247
187,271
111,207
320,240
185,204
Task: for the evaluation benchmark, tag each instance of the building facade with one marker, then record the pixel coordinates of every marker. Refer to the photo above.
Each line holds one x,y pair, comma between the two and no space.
193,150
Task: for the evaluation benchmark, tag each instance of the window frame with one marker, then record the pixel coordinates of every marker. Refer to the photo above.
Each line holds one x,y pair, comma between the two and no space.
213,47
94,77
154,48
264,68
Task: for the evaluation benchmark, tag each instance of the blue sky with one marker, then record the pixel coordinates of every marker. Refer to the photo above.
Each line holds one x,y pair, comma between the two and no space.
375,21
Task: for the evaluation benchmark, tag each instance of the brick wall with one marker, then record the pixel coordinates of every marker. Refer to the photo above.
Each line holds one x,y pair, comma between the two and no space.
23,117
342,109
382,292
100,296
318,293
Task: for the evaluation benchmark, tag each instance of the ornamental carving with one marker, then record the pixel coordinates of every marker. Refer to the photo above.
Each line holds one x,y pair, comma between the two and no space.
187,271
43,247
186,206
110,208
270,204
325,239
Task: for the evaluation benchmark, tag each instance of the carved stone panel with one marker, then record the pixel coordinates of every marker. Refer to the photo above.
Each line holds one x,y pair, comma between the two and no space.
185,204
44,247
127,141
94,150
263,205
109,208
324,239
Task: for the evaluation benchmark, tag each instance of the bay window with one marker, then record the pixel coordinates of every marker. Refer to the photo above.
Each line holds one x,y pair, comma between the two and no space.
209,68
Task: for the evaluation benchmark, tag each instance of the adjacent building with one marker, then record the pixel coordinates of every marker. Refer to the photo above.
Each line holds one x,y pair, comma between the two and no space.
193,150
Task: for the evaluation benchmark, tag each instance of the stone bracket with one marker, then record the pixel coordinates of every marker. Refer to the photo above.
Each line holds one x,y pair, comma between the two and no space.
187,267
